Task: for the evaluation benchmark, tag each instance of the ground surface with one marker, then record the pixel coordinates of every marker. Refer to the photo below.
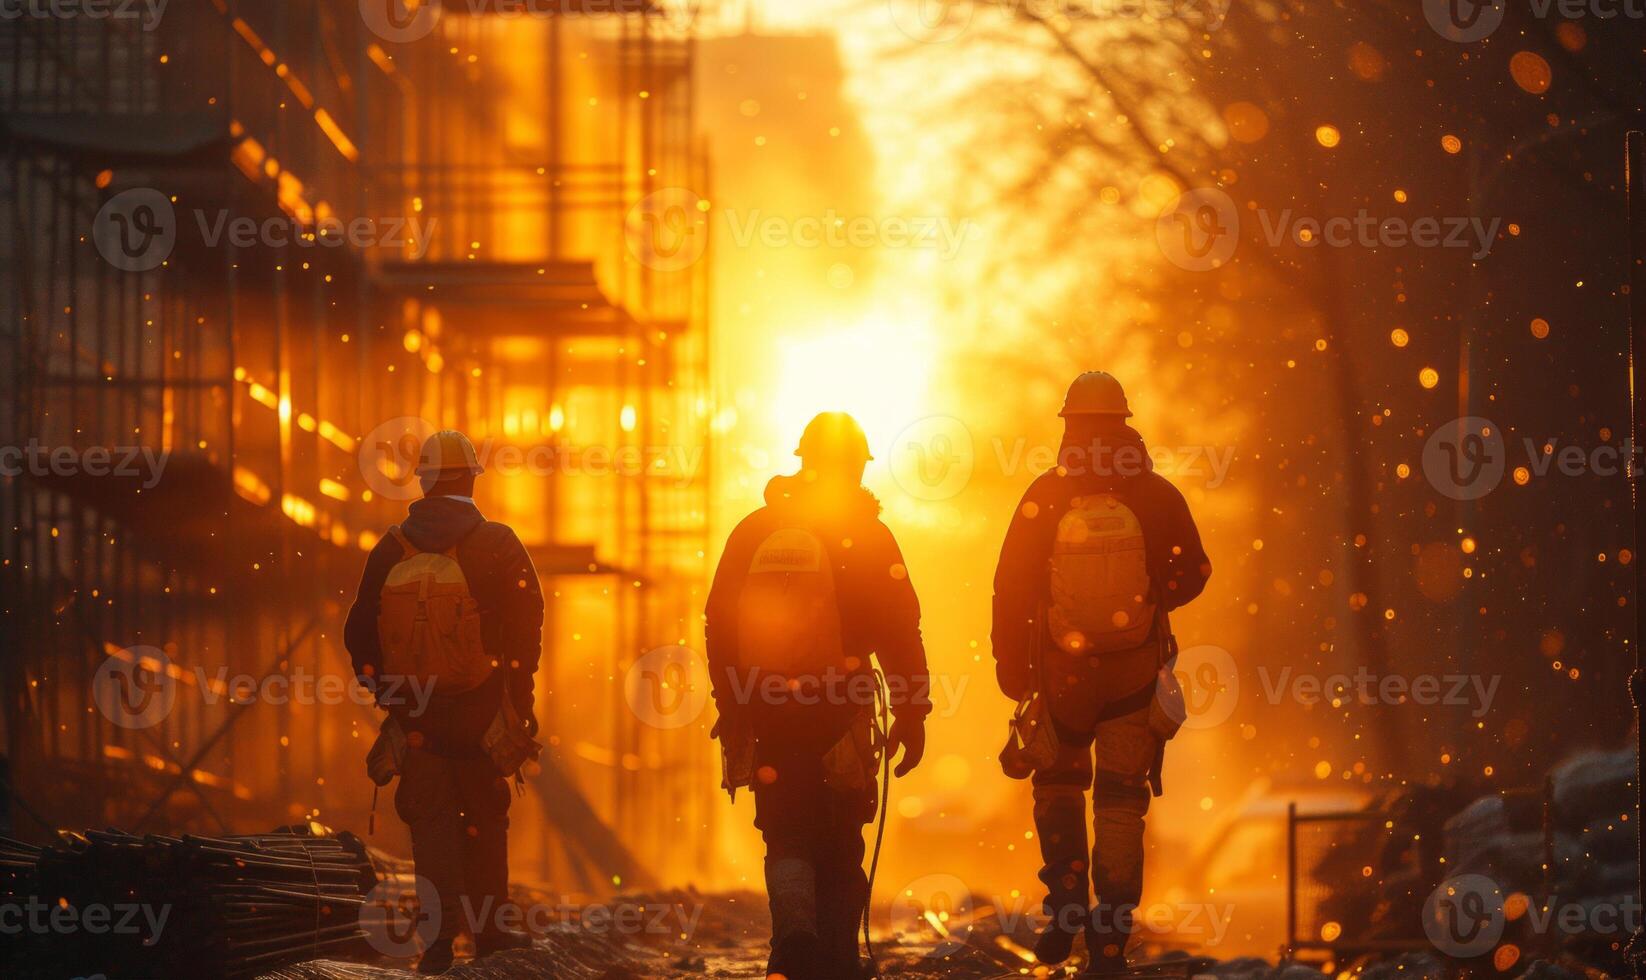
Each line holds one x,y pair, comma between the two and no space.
728,940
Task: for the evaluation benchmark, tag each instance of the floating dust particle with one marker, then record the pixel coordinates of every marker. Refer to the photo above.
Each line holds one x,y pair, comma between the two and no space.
1531,72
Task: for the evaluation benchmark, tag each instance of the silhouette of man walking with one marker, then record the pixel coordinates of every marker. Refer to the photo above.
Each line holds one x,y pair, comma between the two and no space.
809,586
1099,551
449,603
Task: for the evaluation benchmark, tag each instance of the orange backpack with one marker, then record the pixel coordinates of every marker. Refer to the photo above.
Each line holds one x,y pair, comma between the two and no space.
788,617
1101,597
428,622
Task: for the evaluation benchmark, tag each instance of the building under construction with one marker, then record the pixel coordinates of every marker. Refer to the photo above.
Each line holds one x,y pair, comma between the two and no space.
252,252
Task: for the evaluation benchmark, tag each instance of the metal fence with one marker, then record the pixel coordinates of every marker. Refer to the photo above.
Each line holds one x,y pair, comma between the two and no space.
1342,868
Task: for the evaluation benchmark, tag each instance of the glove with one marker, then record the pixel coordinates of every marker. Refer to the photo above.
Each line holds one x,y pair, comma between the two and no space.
908,734
523,705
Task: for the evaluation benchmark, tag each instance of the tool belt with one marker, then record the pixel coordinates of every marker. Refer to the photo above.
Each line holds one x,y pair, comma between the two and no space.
506,741
1032,739
736,755
851,764
388,753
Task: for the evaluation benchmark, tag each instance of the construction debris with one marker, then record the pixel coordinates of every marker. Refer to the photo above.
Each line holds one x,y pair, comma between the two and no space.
109,903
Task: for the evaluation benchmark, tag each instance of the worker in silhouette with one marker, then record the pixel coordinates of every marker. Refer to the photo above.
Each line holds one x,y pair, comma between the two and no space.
446,630
808,588
1098,552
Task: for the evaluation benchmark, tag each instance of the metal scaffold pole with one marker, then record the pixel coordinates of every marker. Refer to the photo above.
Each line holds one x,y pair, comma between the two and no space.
1635,179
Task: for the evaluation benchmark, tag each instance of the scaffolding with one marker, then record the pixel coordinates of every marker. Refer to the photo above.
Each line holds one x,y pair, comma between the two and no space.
490,169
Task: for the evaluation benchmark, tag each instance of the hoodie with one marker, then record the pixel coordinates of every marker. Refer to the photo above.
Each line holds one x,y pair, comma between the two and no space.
879,612
504,584
1114,462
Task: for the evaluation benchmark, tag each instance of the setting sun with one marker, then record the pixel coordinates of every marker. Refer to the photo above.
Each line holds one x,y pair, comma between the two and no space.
877,370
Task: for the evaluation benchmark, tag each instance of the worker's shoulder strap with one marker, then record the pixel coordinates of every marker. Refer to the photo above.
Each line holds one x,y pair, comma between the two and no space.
412,549
405,542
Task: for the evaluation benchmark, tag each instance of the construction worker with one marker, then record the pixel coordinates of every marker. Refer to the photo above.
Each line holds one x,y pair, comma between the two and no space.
809,586
1098,552
446,631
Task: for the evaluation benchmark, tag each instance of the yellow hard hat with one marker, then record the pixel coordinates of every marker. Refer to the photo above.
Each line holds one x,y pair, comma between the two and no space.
833,435
448,451
1096,393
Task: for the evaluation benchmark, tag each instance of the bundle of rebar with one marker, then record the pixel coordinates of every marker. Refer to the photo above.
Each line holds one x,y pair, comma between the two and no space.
123,906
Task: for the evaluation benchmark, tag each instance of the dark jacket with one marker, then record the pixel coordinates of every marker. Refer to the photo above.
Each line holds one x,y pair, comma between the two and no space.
1178,566
504,584
879,612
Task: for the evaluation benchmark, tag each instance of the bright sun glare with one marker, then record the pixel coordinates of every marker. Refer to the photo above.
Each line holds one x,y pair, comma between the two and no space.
876,370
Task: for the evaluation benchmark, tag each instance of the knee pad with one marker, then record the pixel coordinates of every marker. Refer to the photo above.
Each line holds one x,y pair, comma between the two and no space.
1121,790
1053,794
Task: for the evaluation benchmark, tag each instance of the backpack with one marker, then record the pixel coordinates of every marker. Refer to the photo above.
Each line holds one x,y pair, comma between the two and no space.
1101,599
788,620
428,623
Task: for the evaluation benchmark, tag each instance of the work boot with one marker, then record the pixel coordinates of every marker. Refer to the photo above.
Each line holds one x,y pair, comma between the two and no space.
1054,943
798,956
1060,823
846,965
437,959
499,941
1105,952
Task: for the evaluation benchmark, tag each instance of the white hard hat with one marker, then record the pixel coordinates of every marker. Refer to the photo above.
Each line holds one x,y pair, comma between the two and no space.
1096,393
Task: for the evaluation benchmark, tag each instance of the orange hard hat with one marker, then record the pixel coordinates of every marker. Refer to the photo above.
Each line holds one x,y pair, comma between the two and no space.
448,451
1096,393
833,435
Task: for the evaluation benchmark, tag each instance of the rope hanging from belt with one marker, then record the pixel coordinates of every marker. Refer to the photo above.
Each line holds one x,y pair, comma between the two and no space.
882,698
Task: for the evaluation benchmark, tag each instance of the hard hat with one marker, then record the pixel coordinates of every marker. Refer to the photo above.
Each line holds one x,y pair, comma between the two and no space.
448,451
1096,393
833,435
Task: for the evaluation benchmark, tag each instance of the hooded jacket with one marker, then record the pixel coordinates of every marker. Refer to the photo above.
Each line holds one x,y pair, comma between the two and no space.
1116,463
879,612
504,585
